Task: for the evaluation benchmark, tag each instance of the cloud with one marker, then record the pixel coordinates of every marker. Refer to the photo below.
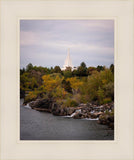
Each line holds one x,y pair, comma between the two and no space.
45,42
28,38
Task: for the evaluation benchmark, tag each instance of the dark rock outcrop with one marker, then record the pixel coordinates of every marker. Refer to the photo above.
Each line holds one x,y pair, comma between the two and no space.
42,105
107,119
82,111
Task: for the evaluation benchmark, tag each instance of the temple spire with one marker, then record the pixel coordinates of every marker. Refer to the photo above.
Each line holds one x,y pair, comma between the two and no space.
68,62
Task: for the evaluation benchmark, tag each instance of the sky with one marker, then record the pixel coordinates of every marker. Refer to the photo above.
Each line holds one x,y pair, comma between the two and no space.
45,42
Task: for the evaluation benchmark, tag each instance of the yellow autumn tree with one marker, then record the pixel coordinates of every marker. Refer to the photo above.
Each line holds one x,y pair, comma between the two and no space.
59,93
50,82
52,86
75,83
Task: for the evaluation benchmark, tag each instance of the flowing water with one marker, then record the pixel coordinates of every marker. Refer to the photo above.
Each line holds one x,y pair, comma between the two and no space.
36,125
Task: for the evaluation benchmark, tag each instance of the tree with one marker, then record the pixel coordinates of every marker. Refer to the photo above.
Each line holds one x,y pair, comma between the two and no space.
90,70
75,72
67,86
51,82
112,68
57,69
100,68
67,73
59,93
100,94
68,69
22,71
51,70
82,69
83,65
100,85
109,90
75,83
29,67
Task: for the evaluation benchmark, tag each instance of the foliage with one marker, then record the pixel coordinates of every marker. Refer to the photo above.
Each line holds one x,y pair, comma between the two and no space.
107,100
70,103
22,71
69,87
66,85
27,83
30,97
75,83
57,69
50,82
100,68
59,93
90,70
29,67
82,69
100,94
112,68
67,73
99,86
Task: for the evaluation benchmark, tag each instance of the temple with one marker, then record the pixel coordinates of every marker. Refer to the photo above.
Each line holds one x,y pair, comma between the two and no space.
68,62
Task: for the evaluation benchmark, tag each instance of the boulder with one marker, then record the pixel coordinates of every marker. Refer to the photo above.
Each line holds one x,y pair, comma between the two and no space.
107,119
77,116
41,105
70,110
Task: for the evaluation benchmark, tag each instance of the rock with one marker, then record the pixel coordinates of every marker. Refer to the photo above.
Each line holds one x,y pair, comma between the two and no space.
41,105
111,125
70,110
82,111
96,114
111,118
55,109
107,119
77,116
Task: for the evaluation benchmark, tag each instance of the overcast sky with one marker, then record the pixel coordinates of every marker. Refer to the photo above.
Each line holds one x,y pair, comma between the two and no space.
45,42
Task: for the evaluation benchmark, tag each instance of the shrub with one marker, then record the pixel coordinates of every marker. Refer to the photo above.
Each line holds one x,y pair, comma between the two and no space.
100,94
30,97
70,103
107,100
67,73
84,98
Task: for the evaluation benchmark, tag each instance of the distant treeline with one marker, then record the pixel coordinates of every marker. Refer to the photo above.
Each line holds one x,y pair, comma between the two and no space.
69,88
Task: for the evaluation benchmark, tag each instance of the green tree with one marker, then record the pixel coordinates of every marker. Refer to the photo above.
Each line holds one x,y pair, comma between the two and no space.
75,72
100,68
51,70
100,95
57,69
112,68
90,70
82,69
22,71
100,85
109,90
67,86
67,73
29,67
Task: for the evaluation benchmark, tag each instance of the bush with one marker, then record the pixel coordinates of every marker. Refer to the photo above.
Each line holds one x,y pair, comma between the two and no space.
67,73
70,103
85,98
107,100
30,97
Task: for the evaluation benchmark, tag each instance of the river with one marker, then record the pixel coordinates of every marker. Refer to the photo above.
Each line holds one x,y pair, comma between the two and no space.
36,125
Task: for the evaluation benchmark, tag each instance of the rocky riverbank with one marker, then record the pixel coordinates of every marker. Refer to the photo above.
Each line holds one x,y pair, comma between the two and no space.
104,113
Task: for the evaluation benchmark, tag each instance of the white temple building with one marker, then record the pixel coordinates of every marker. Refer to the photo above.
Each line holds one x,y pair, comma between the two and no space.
68,62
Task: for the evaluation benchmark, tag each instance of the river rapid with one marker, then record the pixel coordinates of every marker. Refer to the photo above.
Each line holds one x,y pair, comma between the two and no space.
35,125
